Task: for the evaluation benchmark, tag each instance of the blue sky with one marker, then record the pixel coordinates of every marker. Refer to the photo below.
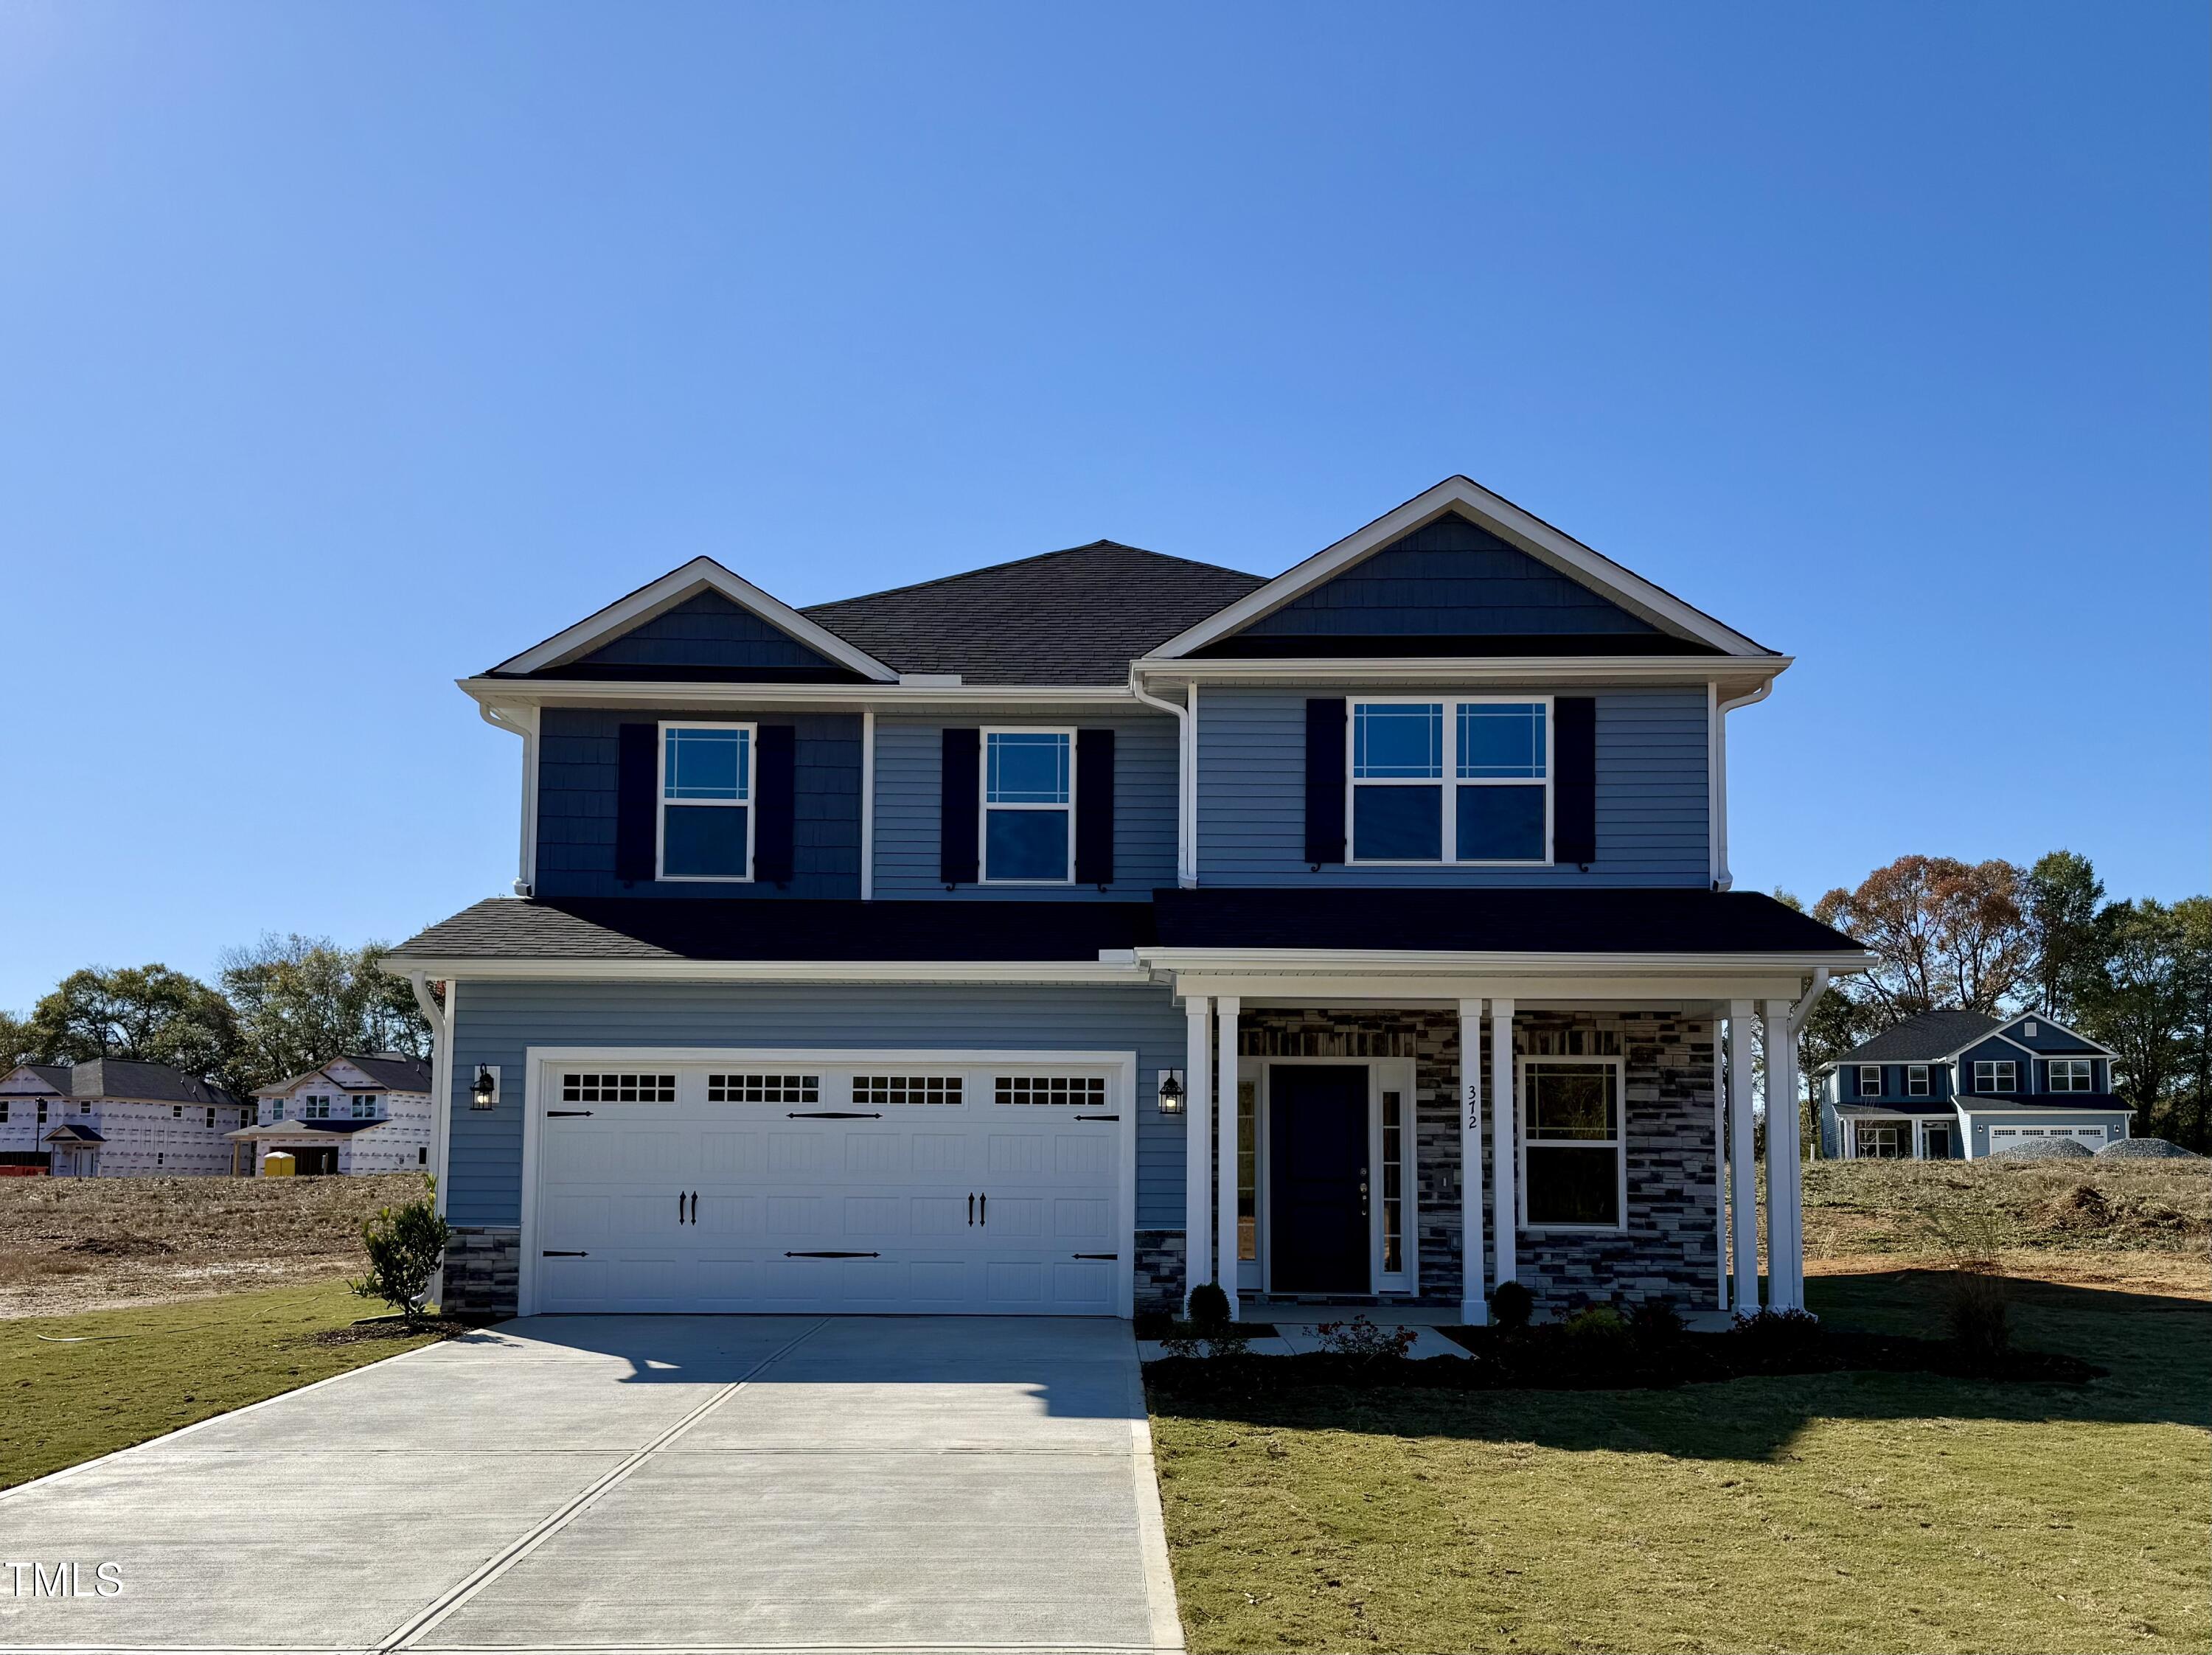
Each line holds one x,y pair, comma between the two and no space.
350,348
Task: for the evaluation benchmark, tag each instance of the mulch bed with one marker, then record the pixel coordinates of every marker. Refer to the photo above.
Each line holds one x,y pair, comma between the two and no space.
359,1332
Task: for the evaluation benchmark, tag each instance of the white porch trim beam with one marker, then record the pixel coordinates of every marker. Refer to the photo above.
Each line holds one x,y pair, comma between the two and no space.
1224,1019
1474,1311
1504,1197
1743,1189
1685,990
1197,1089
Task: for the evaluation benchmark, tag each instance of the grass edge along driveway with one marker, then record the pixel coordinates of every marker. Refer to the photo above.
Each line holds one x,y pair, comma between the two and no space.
1823,1513
135,1374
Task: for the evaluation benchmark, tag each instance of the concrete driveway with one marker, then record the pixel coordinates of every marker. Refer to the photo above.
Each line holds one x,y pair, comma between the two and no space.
640,1483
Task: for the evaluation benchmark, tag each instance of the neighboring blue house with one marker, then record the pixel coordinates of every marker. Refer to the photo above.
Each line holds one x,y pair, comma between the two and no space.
892,955
1959,1085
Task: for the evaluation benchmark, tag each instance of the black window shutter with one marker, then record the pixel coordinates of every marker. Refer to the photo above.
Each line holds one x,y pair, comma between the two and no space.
1574,788
637,779
1325,781
1094,807
775,797
957,849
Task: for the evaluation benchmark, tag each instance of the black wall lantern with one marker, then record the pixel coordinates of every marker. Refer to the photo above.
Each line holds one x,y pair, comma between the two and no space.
1171,1091
484,1092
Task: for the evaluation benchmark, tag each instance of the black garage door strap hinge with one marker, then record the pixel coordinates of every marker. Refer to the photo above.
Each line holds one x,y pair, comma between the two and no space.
552,1113
835,1114
1098,1118
554,1252
833,1255
1097,1255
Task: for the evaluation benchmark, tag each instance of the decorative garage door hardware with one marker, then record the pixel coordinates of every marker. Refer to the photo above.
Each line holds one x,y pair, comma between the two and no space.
835,1114
553,1114
1094,1255
833,1255
1094,1117
559,1252
694,1218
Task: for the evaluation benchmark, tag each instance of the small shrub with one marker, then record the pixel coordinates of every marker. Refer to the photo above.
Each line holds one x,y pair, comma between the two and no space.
1595,1328
1510,1306
406,1246
1191,1339
1656,1322
1209,1307
1777,1335
1362,1338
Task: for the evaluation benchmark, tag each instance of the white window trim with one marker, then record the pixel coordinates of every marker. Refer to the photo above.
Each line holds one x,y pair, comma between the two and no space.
1916,1082
2089,1080
1618,1143
1865,1070
661,801
1993,1064
1447,779
984,807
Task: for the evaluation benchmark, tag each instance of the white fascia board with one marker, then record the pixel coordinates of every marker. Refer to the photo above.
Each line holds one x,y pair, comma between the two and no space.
681,693
1996,1034
1510,670
1698,989
1506,519
699,574
2040,1109
776,971
1455,963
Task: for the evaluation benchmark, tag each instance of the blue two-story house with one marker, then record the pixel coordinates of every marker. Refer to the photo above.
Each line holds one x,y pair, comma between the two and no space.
1959,1085
1055,937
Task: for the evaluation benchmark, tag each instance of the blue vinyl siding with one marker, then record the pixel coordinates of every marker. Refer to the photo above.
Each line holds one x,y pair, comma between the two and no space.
1993,1049
498,1022
1449,578
576,779
707,630
2049,1037
909,755
1652,803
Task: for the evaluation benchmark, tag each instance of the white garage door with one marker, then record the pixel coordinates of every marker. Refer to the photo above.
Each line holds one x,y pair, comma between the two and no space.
858,1184
2002,1136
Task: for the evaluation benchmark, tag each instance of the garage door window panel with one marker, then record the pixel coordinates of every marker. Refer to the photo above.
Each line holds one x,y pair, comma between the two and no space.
591,1086
763,1088
899,1091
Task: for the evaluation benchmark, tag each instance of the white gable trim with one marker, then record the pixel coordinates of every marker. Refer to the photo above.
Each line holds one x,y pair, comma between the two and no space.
1502,517
2050,1023
699,574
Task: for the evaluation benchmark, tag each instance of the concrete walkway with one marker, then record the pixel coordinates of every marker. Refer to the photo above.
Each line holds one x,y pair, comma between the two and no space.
638,1483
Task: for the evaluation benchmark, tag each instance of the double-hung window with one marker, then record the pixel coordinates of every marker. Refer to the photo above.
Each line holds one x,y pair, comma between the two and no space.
1465,780
2070,1074
706,801
1996,1075
364,1108
1871,1080
1915,1081
1028,807
1573,1174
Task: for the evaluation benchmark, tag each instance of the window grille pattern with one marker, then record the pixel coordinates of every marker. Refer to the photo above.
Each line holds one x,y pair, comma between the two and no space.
1082,1090
587,1087
897,1090
763,1088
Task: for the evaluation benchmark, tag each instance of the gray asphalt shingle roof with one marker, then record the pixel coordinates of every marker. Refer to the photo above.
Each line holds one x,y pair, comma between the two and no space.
1077,616
1928,1037
150,1083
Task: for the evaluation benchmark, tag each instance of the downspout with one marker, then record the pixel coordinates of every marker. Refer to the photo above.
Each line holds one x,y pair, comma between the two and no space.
503,717
1186,780
1723,879
441,1093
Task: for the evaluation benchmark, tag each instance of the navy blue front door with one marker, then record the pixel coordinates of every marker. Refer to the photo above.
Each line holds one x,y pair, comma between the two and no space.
1317,1179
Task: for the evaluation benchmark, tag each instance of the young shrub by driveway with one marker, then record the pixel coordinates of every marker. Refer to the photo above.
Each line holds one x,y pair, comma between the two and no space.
74,1387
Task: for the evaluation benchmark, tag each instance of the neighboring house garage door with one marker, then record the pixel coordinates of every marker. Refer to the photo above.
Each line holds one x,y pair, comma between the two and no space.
990,1185
2002,1136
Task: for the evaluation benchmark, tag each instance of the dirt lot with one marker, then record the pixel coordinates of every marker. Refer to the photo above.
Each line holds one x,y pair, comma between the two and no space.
69,1244
2142,1225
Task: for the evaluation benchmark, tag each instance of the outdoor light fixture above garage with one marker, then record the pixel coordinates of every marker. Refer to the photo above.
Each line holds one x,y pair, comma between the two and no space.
485,1092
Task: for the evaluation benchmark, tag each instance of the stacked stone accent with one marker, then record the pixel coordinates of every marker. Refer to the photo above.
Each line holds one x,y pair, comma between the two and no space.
484,1263
1159,1271
1670,1248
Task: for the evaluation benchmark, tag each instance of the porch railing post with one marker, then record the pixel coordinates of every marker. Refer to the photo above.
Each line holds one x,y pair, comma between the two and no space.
1743,1188
1504,1201
1198,1126
1225,1011
1474,1311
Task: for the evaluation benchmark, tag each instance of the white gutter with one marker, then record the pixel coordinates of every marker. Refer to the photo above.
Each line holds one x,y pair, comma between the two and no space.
523,722
584,692
1486,668
1801,1013
1439,961
1186,781
1717,763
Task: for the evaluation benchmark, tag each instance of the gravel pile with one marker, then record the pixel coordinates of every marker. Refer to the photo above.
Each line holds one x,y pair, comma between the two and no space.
2148,1148
2044,1148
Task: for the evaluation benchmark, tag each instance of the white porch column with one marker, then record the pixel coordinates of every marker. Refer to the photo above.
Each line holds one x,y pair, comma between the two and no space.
1785,1251
1743,1189
1504,1170
1225,1010
1198,1124
1473,1310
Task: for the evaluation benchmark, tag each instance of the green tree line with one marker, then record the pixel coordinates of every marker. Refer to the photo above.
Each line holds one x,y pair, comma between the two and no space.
1996,938
276,1009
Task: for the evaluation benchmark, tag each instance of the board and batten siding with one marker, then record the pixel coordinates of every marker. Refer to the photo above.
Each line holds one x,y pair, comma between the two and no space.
909,759
497,1021
1653,805
577,772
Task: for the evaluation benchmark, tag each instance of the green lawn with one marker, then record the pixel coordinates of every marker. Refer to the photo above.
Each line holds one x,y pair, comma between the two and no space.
138,1373
1827,1513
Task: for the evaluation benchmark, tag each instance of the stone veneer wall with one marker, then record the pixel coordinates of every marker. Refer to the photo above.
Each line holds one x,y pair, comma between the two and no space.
484,1263
1670,1248
1159,1271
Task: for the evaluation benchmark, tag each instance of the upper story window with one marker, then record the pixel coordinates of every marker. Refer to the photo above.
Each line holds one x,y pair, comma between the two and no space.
276,1108
1028,807
1997,1075
315,1108
1915,1081
2071,1074
1465,780
706,801
1871,1080
364,1108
